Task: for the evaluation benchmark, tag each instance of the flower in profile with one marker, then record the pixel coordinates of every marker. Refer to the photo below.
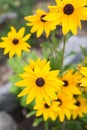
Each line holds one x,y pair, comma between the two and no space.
47,110
15,43
32,64
71,80
66,104
38,23
83,81
42,83
69,13
81,104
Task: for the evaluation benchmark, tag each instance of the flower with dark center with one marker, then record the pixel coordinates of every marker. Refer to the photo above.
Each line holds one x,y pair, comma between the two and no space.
77,103
68,13
40,82
41,18
68,9
65,83
46,105
59,100
15,41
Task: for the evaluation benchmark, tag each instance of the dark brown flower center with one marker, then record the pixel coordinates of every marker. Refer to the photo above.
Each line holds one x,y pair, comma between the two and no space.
41,18
65,83
68,9
46,105
77,103
59,100
40,82
15,41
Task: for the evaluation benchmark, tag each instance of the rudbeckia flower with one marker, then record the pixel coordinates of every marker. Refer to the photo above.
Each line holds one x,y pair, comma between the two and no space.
83,81
15,42
81,104
32,64
47,110
66,104
42,83
38,23
71,80
69,13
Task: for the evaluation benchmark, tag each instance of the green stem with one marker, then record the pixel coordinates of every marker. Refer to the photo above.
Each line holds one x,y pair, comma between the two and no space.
24,59
46,125
64,125
63,52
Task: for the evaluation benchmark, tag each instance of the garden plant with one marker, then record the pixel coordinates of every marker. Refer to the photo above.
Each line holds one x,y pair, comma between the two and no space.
52,91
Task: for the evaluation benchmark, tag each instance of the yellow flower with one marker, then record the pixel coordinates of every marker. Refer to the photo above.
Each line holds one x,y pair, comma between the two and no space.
71,80
83,81
14,43
48,111
66,105
40,84
69,14
32,64
81,104
39,24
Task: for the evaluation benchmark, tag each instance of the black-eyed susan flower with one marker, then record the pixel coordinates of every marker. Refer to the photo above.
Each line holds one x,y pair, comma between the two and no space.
32,64
15,42
40,25
47,110
42,83
81,104
66,104
83,81
71,80
69,14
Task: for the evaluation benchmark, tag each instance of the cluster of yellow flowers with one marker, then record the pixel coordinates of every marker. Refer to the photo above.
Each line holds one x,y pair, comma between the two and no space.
54,95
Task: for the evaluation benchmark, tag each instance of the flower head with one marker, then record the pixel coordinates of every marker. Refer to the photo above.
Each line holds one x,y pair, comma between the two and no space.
14,43
81,104
40,84
71,80
66,104
69,14
32,64
39,24
83,81
47,110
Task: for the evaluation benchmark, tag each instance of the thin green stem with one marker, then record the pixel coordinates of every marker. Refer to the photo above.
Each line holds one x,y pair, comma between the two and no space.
64,125
46,125
24,59
63,52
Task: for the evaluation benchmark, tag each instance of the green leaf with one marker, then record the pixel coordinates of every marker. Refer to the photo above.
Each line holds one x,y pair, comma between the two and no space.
45,45
30,114
16,64
56,61
15,90
46,49
84,51
37,121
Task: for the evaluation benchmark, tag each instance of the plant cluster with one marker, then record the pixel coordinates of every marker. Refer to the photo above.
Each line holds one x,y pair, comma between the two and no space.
52,91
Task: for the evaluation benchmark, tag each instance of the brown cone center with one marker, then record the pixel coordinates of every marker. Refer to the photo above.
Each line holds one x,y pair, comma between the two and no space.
41,18
65,83
15,41
40,82
68,9
46,105
77,103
